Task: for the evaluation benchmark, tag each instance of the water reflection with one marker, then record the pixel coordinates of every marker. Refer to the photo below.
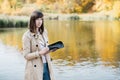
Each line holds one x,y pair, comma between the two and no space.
91,49
77,36
107,42
84,41
12,36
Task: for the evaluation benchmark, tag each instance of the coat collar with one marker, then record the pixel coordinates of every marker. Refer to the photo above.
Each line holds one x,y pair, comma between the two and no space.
35,35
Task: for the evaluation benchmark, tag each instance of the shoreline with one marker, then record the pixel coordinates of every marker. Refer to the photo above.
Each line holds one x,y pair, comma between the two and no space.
22,21
81,17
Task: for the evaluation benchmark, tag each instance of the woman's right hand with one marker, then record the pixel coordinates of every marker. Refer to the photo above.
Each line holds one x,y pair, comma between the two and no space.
44,51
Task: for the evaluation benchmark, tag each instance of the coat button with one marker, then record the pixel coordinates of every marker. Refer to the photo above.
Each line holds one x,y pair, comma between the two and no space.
34,65
36,45
34,35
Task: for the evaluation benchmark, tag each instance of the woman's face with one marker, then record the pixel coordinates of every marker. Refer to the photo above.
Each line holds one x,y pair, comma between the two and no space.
38,22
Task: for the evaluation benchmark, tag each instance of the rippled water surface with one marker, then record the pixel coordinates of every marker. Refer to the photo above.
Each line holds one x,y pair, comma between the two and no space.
91,52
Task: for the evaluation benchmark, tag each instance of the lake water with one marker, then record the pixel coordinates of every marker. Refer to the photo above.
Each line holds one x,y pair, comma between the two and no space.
91,52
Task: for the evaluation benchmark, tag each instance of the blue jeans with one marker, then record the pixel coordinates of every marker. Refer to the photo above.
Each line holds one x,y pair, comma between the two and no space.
46,75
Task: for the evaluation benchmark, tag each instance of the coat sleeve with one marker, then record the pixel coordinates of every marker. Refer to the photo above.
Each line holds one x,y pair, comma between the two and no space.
26,49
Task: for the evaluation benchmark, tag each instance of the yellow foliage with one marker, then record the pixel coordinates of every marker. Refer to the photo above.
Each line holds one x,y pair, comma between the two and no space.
5,9
61,6
78,8
116,9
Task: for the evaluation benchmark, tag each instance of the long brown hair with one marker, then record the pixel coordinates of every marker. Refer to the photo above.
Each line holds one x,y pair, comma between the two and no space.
32,25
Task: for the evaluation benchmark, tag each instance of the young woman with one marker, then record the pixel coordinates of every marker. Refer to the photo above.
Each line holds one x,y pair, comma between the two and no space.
35,50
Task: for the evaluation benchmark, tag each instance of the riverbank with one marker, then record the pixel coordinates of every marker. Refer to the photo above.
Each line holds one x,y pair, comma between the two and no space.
7,21
82,17
22,21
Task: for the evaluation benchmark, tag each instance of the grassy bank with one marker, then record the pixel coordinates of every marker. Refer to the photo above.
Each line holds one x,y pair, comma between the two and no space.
13,21
22,21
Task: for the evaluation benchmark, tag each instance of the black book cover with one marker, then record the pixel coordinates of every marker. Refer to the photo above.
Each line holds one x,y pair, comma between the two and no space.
56,45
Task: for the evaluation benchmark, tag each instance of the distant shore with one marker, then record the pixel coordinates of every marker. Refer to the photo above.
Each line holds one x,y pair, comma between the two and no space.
22,21
81,17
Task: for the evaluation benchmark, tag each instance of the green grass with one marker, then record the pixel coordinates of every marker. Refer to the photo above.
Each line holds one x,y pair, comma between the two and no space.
13,21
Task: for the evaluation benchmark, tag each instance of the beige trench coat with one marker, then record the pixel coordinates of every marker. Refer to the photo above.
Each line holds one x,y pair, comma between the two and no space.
34,64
